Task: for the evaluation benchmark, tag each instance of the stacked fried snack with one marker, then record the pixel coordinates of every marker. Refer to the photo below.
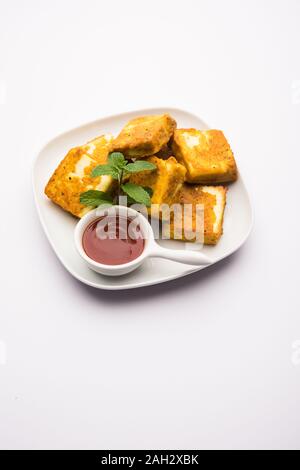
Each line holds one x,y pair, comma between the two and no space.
190,166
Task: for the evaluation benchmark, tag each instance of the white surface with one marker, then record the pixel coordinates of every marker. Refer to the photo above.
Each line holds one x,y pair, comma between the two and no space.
59,226
209,361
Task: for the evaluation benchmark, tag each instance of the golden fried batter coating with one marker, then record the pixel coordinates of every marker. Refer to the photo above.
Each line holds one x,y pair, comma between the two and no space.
145,136
213,199
206,155
73,175
165,181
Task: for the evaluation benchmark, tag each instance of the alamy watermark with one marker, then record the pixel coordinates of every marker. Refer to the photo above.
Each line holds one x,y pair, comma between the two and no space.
176,221
295,358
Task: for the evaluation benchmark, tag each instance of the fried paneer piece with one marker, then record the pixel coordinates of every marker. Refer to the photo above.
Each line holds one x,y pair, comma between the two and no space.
165,181
213,199
145,136
206,155
73,175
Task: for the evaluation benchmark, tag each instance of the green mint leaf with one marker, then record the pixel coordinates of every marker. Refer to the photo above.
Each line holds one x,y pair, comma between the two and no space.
137,193
94,198
131,201
105,170
148,190
117,160
139,165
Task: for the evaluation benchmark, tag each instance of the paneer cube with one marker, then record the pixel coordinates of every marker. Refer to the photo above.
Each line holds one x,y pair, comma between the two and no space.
145,136
213,201
73,175
206,155
165,181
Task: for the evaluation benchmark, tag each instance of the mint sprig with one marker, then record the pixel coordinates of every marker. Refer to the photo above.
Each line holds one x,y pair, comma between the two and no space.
138,166
105,170
117,160
137,193
118,167
94,198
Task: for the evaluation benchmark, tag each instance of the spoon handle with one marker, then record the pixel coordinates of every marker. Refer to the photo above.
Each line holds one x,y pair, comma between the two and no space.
194,258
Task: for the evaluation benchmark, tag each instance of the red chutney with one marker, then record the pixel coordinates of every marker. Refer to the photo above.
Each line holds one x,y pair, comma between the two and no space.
113,240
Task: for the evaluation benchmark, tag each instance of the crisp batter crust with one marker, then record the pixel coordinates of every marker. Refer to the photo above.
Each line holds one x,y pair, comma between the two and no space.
206,155
165,181
72,176
213,199
145,136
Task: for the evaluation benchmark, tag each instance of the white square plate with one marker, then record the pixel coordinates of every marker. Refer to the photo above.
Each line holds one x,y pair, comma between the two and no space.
59,225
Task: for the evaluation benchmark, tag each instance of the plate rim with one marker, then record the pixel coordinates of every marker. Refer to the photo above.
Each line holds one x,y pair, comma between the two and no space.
142,284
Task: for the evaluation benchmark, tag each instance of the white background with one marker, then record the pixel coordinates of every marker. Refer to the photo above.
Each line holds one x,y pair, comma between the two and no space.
203,362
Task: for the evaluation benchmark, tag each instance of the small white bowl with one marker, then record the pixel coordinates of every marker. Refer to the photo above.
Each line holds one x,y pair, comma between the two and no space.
151,248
